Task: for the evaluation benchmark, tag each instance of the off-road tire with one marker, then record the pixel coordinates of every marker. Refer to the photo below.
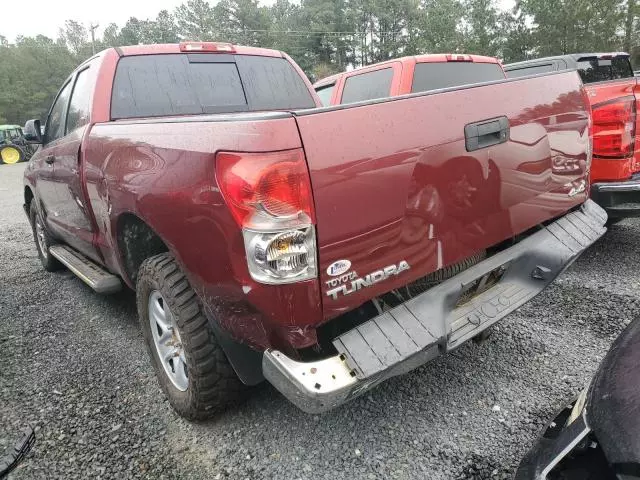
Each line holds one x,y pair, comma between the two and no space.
49,263
213,384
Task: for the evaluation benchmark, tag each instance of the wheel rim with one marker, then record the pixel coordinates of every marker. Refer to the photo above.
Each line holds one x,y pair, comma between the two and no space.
167,342
42,239
10,155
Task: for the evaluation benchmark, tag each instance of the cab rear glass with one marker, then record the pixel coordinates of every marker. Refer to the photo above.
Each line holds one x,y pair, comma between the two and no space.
600,69
203,83
434,75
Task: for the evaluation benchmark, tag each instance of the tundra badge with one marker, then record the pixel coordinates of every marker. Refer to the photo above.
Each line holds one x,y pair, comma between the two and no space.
357,283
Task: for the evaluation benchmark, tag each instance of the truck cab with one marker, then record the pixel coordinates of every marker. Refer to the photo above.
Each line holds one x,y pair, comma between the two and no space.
612,90
414,74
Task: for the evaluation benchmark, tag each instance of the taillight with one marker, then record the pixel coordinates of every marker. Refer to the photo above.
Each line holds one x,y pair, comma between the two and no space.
614,128
207,47
458,58
269,195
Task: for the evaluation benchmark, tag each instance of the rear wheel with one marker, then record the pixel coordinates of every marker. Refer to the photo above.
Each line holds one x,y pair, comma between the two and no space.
191,367
43,240
11,154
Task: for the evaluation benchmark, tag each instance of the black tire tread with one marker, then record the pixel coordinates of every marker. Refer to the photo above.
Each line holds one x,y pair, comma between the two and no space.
49,263
213,384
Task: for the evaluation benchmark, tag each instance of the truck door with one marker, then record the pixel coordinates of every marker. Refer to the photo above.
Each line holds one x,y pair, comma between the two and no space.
44,159
73,221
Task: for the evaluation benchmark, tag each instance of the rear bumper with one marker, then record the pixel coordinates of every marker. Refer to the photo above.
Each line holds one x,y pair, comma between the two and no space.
619,199
435,322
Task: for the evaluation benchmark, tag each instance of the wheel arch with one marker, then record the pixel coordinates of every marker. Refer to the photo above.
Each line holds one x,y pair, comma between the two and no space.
136,241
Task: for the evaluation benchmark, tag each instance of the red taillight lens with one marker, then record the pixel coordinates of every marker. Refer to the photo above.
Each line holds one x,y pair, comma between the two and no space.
207,47
614,128
261,187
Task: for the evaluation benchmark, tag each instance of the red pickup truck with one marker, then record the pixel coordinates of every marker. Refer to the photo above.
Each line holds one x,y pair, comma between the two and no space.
613,94
324,249
400,76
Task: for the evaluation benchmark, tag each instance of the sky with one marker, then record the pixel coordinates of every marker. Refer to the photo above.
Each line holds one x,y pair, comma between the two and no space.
51,14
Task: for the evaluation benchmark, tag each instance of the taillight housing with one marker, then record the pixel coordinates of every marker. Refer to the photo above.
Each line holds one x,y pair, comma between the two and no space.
269,196
614,127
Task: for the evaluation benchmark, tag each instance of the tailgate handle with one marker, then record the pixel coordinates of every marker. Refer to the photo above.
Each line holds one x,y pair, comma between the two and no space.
485,133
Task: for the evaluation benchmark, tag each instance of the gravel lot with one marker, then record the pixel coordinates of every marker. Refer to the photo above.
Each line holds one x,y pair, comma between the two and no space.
75,366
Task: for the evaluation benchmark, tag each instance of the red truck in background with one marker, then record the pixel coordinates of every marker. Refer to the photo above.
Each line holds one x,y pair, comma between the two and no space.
413,74
612,89
324,249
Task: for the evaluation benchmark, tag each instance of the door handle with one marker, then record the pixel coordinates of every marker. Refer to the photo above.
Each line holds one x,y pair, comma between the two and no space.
486,133
50,159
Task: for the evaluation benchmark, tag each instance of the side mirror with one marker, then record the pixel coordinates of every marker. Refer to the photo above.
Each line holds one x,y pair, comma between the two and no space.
32,132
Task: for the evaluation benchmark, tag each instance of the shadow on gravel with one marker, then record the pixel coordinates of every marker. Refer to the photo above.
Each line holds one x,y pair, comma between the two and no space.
481,467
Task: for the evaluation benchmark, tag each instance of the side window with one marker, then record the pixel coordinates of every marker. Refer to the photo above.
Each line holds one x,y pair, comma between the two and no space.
80,105
532,70
368,86
55,122
325,93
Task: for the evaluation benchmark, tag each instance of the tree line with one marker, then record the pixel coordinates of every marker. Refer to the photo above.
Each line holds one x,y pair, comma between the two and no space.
326,36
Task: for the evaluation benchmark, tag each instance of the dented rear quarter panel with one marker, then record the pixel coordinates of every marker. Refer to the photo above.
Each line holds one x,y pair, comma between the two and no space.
163,173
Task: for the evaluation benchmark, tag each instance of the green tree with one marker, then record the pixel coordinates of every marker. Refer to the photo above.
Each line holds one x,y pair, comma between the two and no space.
76,37
438,25
517,41
48,63
568,26
481,27
195,20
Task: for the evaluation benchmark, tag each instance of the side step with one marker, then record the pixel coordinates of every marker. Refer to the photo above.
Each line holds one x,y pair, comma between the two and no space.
87,271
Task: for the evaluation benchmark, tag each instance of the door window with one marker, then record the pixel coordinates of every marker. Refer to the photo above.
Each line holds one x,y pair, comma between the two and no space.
55,123
79,107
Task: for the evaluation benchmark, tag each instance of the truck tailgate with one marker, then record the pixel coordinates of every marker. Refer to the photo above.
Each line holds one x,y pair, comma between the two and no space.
398,195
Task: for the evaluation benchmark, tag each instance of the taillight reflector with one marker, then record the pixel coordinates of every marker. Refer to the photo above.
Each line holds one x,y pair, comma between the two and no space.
263,187
614,128
207,47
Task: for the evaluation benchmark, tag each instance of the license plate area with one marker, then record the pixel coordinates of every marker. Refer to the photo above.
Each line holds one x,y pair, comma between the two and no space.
481,284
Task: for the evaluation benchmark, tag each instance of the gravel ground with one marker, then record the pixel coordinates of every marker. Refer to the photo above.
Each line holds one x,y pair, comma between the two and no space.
75,366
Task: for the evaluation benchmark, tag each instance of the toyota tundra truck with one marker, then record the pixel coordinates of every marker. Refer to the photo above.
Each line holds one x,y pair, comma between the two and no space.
322,249
612,90
411,74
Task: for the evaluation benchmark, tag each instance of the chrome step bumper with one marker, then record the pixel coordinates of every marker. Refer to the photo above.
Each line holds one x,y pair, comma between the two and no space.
87,271
435,321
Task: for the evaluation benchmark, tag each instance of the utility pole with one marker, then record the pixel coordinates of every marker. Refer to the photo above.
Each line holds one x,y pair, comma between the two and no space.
93,27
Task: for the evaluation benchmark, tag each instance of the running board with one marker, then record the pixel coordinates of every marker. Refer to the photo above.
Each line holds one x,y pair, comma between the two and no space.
87,271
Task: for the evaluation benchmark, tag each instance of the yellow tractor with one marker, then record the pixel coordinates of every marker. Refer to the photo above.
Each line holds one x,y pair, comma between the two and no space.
13,147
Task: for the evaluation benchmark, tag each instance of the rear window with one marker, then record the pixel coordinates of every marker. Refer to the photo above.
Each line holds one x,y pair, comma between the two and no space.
532,70
188,84
434,75
599,70
368,86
